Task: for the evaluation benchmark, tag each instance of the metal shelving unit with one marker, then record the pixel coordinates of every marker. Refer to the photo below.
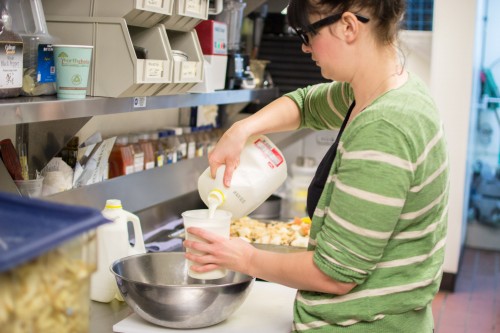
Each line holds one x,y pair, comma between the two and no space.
60,117
25,110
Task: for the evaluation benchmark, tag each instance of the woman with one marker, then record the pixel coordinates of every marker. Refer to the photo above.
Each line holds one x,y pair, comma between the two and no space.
378,201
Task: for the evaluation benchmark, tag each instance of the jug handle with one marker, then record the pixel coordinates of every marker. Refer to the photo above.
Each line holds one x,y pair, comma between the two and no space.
218,8
139,239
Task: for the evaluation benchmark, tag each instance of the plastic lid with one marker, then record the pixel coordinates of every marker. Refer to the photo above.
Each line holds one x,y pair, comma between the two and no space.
31,227
113,204
27,17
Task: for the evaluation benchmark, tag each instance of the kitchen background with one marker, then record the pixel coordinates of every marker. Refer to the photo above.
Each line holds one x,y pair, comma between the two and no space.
452,58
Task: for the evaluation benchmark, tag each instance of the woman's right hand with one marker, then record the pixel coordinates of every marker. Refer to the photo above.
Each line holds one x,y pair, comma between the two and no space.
227,152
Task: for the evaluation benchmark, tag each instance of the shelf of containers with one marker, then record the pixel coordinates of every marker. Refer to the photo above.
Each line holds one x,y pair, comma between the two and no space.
139,13
186,14
114,29
115,69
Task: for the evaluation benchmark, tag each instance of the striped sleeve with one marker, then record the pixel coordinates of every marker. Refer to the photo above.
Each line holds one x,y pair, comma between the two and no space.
372,173
336,97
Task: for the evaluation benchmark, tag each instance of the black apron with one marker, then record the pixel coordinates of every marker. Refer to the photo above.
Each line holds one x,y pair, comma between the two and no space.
318,182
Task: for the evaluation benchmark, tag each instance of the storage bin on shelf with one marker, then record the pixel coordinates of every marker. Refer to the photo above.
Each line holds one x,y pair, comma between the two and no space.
186,14
144,13
188,73
116,71
47,256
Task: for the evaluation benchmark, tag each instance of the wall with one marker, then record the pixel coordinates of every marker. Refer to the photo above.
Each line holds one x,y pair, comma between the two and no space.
454,67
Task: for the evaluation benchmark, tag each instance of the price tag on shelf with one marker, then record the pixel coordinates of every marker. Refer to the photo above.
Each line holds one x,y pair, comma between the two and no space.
188,70
139,102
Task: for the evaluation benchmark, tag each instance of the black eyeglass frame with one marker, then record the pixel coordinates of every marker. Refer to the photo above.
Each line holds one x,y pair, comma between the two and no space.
314,27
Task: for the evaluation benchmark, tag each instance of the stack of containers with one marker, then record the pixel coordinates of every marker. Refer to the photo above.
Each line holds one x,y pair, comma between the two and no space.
132,55
46,262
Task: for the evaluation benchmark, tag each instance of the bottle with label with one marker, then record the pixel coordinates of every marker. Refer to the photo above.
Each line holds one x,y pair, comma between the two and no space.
28,20
121,159
170,152
11,56
262,170
113,243
137,151
159,150
180,143
190,141
147,148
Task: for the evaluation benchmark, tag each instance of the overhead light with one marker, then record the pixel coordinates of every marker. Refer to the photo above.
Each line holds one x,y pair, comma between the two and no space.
284,10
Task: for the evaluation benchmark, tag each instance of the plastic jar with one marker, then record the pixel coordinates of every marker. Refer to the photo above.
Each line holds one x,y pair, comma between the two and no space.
121,159
147,148
28,20
137,152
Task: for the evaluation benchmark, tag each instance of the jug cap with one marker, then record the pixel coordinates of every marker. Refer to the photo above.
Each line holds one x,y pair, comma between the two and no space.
113,204
218,195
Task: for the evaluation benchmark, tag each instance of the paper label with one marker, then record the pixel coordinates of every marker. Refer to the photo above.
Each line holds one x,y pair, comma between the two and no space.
193,6
46,69
188,70
153,3
272,154
11,65
154,69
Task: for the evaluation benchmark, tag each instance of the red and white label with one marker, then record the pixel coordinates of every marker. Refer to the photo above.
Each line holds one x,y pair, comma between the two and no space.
274,158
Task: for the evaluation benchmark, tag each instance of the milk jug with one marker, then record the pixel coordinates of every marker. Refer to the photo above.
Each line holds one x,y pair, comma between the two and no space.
112,244
261,172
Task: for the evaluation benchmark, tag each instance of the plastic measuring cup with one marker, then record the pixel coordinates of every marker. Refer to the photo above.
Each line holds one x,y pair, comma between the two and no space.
30,188
219,224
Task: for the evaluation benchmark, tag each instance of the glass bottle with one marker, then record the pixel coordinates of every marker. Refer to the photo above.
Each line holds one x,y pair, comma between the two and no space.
190,141
137,151
147,148
11,56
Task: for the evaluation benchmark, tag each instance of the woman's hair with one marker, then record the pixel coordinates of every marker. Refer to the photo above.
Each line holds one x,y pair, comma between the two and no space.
386,15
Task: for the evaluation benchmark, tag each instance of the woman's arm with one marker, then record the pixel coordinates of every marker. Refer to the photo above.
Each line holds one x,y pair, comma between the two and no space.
280,115
295,270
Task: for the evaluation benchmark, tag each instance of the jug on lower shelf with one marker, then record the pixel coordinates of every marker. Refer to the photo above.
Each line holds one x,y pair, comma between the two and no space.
113,243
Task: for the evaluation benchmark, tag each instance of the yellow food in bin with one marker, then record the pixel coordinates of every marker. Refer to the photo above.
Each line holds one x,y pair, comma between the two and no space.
47,255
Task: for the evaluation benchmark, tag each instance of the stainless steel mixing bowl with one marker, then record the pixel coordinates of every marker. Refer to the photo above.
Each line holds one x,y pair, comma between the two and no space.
157,287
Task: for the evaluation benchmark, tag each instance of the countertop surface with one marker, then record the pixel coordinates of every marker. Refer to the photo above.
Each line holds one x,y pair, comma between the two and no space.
267,309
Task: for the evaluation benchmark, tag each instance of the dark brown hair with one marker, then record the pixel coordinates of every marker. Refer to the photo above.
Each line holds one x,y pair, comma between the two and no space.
386,15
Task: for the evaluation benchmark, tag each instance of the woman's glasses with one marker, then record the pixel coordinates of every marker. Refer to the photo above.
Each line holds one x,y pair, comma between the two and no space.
314,27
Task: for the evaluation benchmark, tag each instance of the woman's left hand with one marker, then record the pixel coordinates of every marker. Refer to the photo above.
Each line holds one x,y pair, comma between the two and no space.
234,254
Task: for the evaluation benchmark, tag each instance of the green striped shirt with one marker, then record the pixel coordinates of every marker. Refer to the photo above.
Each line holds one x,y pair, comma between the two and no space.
381,219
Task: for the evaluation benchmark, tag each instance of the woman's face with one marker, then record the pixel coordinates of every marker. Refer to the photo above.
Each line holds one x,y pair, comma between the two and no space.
326,49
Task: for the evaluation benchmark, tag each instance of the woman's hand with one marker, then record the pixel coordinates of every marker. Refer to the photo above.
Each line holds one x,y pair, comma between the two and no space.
227,152
234,254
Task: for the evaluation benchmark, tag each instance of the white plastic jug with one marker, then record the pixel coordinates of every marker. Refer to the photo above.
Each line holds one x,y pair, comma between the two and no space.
262,170
112,244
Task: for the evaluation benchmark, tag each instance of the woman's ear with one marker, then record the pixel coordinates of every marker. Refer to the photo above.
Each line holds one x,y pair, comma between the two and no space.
350,27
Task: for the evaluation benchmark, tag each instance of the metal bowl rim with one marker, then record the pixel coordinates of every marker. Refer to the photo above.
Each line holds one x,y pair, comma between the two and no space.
187,286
